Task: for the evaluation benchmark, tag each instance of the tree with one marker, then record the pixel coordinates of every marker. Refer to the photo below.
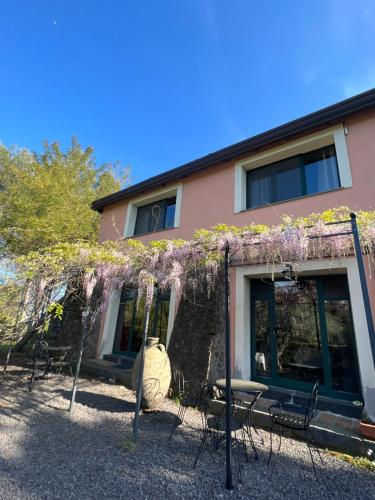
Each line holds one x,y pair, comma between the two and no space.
46,198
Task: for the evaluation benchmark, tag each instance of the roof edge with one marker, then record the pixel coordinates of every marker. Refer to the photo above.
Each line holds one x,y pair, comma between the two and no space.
305,124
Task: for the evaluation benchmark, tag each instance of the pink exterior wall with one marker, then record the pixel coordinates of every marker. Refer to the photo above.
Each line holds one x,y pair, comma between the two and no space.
208,197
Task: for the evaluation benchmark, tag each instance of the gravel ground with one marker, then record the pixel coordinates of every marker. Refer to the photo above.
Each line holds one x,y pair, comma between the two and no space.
46,453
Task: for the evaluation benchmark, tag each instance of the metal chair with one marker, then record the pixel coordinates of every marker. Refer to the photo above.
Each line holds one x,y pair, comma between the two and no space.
297,417
62,361
211,422
39,361
186,392
247,406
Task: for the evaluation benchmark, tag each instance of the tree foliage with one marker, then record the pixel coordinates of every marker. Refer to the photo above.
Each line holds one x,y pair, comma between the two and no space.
45,198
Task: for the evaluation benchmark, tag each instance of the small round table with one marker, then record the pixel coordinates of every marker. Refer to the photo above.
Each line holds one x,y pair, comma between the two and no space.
242,385
249,387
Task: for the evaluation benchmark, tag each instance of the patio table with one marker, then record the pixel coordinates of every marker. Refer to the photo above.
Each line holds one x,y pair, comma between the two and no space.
249,387
239,385
48,361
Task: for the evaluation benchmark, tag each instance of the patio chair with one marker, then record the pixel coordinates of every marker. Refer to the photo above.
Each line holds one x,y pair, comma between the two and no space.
246,406
296,417
62,361
186,392
38,361
210,421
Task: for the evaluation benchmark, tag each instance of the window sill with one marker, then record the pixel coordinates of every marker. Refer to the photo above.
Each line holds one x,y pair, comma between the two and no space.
267,205
151,232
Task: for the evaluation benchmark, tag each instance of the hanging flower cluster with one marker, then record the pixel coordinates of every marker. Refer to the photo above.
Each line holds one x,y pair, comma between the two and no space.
189,265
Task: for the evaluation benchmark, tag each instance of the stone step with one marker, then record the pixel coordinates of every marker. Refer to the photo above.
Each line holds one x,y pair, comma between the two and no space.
330,430
125,361
108,370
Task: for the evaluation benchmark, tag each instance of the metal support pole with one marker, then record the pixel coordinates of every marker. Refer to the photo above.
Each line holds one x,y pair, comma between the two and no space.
140,375
228,391
85,316
362,277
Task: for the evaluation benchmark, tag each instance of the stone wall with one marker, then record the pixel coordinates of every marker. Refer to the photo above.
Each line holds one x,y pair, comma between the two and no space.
68,330
197,340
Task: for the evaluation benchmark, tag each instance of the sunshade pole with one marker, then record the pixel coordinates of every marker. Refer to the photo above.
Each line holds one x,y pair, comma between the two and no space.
228,392
140,375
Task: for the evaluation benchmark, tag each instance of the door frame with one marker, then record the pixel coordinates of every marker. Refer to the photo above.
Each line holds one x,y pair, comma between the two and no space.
240,315
325,387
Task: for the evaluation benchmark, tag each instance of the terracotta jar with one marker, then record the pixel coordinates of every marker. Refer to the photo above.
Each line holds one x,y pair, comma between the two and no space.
156,374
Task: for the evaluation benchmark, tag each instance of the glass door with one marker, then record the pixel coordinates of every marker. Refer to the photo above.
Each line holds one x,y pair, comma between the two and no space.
297,332
131,319
303,332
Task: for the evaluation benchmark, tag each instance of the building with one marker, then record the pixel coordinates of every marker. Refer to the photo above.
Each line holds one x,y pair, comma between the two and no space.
285,337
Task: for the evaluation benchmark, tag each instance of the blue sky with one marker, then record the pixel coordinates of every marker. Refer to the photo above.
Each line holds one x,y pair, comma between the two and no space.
154,84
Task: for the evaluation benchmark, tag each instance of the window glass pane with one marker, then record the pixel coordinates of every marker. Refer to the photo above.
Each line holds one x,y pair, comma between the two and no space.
262,339
131,320
341,346
162,321
170,212
335,287
158,215
143,220
124,325
259,187
128,314
151,217
321,170
297,331
139,322
288,179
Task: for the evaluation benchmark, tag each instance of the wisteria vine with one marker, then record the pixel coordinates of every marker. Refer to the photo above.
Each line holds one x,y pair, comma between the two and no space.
186,265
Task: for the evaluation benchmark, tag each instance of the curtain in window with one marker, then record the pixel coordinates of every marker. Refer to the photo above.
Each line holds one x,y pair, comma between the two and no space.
260,188
143,220
322,174
327,173
150,217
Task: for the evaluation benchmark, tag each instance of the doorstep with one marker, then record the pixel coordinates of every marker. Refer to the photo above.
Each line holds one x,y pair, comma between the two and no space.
108,370
120,359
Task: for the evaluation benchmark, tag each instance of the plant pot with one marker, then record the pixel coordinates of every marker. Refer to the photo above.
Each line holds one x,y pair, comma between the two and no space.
156,375
367,430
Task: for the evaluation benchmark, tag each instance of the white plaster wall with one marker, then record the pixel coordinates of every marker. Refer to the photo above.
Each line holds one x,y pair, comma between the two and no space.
110,321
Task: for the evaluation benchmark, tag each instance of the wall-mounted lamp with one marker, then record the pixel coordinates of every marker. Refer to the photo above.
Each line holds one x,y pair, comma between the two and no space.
287,271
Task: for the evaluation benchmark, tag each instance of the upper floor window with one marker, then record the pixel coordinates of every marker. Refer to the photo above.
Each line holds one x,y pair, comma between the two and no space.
155,216
301,175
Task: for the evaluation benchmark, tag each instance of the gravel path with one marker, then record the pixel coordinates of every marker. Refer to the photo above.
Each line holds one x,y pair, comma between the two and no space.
46,453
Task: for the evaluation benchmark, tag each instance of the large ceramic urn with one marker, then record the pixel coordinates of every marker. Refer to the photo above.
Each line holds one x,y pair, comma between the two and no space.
156,374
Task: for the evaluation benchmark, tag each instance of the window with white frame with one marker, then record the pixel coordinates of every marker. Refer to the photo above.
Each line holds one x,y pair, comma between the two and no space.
314,164
155,216
154,212
296,176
